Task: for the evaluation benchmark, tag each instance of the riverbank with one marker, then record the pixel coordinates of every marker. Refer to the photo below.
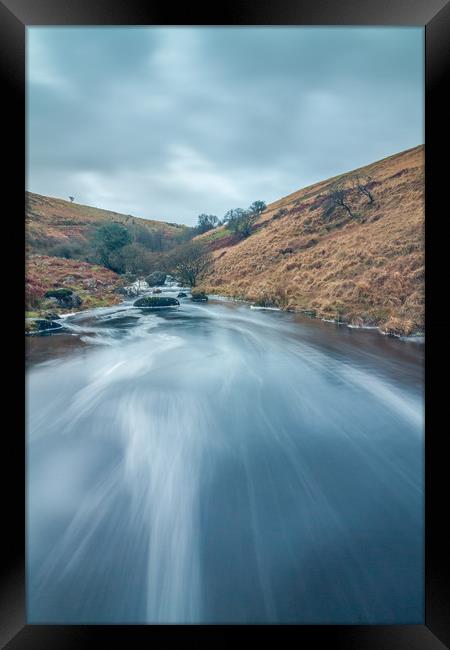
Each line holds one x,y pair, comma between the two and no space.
56,286
46,320
351,316
393,327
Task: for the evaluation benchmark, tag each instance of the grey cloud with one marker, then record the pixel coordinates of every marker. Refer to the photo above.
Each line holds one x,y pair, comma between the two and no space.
171,122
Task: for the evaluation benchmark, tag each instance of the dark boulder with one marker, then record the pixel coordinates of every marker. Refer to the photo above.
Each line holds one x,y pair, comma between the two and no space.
64,297
59,294
37,325
156,301
199,296
155,279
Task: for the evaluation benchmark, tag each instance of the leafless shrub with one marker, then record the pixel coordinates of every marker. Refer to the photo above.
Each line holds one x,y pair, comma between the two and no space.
361,184
337,198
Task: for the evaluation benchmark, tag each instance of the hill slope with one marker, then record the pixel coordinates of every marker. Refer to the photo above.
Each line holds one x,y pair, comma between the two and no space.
51,222
366,269
95,285
56,229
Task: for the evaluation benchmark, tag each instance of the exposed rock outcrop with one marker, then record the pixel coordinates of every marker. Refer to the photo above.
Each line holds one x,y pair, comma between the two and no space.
63,297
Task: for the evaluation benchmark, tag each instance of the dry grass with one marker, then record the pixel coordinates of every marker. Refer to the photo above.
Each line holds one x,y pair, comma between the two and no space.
365,270
50,221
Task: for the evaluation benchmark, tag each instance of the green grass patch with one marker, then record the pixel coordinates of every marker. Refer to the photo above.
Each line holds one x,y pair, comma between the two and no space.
218,234
58,293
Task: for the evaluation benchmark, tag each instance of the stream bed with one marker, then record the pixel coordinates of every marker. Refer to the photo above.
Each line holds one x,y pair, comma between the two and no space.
217,464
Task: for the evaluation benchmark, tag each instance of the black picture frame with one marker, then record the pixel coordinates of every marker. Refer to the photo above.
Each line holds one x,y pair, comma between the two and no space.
15,16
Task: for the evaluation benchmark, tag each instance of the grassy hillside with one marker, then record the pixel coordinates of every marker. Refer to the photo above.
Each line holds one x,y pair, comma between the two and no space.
362,269
59,236
52,222
95,285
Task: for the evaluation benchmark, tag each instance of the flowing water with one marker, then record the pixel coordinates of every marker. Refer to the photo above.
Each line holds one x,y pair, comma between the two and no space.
218,464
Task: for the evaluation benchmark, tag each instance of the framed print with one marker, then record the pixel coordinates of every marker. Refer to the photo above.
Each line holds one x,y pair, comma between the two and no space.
233,258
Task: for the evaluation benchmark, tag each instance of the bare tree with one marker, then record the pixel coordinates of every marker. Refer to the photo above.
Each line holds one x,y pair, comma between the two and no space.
361,184
337,198
189,262
282,212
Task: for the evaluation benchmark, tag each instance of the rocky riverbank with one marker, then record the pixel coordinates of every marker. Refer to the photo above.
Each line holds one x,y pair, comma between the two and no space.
56,286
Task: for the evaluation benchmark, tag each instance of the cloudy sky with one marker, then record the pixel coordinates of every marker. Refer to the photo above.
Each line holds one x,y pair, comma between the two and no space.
168,123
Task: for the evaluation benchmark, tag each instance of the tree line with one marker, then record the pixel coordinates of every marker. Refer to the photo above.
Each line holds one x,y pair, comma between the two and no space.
133,253
238,220
135,250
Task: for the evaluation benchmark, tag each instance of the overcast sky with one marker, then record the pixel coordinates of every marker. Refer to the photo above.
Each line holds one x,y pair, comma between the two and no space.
168,123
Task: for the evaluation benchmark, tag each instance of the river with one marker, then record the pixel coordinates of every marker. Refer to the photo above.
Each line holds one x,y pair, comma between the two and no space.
218,464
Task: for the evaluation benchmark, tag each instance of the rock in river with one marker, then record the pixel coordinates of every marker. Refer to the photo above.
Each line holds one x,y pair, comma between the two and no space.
199,296
36,325
155,279
156,301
